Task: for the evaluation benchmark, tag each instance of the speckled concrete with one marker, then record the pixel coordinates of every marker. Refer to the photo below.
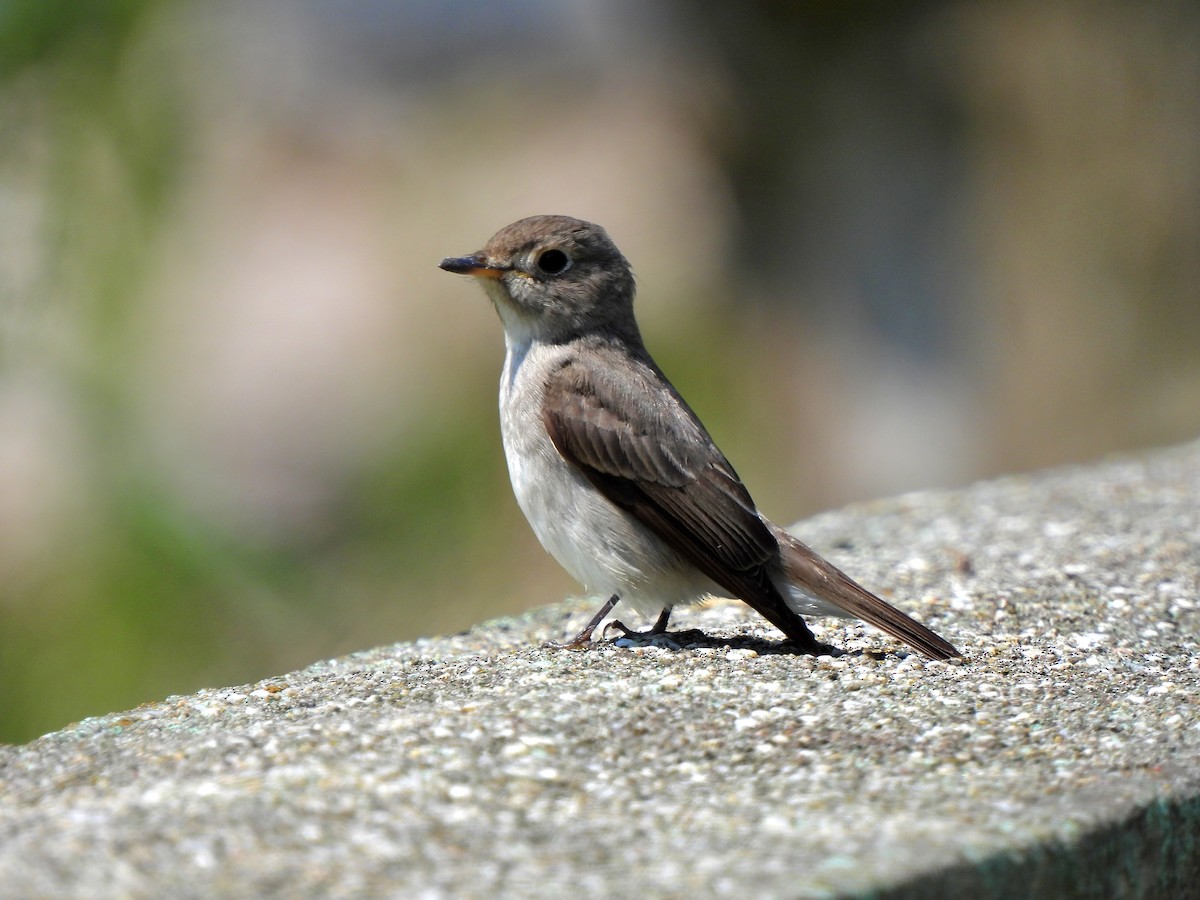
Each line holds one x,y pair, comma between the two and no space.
1062,758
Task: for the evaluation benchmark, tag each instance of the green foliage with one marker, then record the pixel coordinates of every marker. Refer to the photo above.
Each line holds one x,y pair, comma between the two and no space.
84,38
139,595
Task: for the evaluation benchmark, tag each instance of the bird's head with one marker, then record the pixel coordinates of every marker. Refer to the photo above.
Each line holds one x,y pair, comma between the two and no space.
554,278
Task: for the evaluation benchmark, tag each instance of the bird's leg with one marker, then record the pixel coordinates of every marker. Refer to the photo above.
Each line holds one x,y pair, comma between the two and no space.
581,639
659,626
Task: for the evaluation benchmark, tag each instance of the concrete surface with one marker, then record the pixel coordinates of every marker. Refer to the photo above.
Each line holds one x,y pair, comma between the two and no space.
1061,759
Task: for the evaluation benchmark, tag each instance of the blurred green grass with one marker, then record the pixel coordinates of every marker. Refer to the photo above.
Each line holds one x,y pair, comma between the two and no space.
101,137
137,595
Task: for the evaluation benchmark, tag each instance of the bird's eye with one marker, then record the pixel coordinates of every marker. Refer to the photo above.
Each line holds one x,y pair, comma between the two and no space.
553,262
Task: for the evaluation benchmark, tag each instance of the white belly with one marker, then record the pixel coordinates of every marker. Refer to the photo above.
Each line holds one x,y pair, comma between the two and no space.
604,548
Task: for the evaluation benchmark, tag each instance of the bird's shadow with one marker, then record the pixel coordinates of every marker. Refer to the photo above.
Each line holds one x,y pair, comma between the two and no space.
695,639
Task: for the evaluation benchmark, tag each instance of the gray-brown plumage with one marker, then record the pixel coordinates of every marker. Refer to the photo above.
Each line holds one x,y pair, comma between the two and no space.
616,474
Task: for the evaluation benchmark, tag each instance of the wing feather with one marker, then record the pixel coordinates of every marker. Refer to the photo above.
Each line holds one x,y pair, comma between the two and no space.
646,451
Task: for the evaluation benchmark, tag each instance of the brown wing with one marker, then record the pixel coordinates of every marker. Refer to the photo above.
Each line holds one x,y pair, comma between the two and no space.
641,446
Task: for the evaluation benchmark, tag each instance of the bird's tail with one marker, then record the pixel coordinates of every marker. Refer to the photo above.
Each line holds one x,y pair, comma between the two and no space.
808,573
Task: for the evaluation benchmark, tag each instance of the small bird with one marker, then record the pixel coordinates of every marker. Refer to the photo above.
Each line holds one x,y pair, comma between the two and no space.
617,476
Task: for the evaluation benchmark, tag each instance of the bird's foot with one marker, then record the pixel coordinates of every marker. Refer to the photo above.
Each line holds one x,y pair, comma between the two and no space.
656,634
659,626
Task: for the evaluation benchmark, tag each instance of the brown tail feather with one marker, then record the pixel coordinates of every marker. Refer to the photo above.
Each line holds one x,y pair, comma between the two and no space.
834,586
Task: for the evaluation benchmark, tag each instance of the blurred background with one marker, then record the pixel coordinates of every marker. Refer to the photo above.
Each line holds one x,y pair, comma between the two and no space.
246,423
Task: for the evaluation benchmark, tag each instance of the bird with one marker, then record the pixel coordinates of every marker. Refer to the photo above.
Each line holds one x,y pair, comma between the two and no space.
617,476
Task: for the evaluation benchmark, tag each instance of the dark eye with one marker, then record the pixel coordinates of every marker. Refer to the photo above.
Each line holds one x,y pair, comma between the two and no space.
554,262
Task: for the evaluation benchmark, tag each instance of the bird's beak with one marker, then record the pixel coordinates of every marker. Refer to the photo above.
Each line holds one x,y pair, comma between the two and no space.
475,265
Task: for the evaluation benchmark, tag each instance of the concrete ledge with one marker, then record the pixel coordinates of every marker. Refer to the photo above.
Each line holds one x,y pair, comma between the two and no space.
1063,759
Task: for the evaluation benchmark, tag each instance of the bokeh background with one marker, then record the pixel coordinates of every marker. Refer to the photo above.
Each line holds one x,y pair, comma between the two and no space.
246,423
